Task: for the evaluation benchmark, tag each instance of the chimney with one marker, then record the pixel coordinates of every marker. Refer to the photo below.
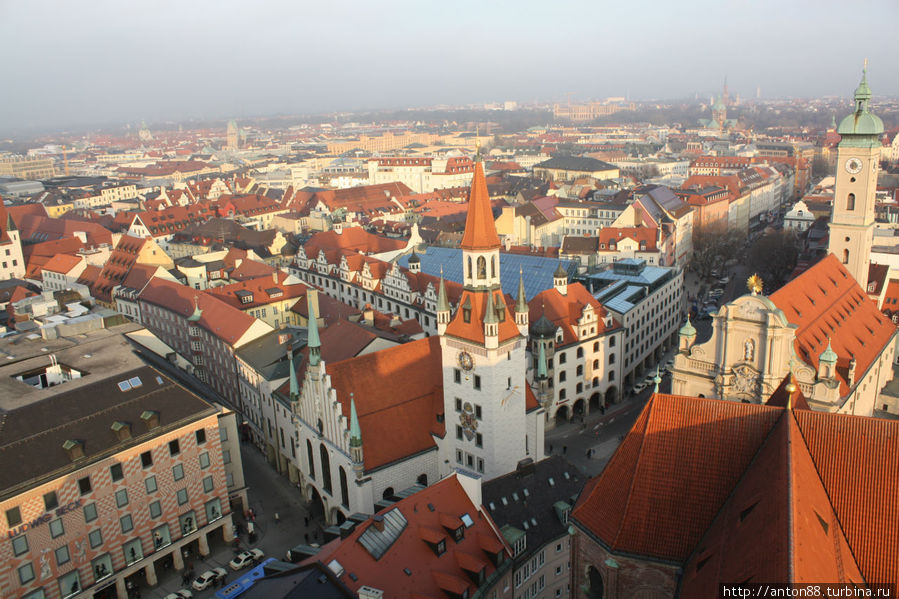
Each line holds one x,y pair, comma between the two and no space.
368,315
378,522
150,418
74,448
121,429
312,302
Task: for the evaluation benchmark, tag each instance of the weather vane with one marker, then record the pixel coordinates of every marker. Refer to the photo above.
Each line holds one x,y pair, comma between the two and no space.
755,284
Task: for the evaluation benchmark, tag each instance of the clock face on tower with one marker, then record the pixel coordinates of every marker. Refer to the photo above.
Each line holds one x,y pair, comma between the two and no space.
465,361
853,166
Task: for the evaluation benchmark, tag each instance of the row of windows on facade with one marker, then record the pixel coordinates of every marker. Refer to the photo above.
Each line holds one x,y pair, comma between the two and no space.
116,473
463,458
126,522
102,566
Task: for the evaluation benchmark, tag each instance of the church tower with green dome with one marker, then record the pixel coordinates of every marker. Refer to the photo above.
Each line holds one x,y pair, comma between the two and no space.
858,156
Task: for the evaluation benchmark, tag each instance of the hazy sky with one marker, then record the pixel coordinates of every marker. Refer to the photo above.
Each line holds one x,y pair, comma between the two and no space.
87,61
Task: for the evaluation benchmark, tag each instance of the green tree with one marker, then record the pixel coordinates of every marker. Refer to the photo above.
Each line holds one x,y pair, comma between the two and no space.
774,258
713,247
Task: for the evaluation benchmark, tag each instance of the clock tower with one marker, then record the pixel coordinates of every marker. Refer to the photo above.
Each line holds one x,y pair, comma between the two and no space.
488,429
858,156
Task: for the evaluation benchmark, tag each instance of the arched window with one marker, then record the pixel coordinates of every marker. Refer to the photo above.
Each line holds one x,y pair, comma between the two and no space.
326,469
846,256
388,493
492,267
850,202
423,480
469,267
611,358
482,267
311,459
580,370
595,364
344,494
580,352
596,345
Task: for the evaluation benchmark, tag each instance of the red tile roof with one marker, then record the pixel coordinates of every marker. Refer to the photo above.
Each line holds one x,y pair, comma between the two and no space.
355,239
473,330
480,230
116,268
778,525
265,290
669,477
736,491
62,263
429,575
220,319
565,310
397,419
825,302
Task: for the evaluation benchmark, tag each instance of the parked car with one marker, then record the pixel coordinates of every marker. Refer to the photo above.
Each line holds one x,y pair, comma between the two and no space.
638,388
180,594
205,579
716,293
246,558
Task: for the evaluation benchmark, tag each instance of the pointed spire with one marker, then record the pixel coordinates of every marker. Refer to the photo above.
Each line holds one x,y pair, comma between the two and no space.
355,431
541,362
657,379
442,302
521,304
490,314
294,385
314,343
197,313
480,230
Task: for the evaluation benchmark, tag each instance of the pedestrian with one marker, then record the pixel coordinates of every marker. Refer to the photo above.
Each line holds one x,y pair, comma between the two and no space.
306,536
277,518
306,521
564,450
550,448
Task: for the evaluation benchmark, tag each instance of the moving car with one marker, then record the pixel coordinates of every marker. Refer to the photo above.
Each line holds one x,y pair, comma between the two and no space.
206,578
246,558
180,594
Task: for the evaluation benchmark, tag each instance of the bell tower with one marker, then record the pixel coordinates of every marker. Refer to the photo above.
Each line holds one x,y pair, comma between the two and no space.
483,356
858,156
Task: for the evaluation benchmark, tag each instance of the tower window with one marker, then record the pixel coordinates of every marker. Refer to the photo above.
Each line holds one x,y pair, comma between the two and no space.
477,382
850,202
469,267
493,267
482,267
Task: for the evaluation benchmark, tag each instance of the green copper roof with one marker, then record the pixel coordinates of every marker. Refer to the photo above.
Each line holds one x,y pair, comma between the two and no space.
828,355
442,302
688,330
541,362
719,104
490,312
294,386
861,122
314,343
521,305
355,431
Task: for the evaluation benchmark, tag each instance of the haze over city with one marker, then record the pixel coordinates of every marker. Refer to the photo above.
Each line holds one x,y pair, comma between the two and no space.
111,62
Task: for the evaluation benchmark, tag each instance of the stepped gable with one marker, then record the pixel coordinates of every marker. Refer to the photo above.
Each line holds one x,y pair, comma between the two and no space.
826,303
396,391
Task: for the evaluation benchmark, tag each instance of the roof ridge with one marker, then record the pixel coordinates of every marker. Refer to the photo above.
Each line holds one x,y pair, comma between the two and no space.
833,509
627,506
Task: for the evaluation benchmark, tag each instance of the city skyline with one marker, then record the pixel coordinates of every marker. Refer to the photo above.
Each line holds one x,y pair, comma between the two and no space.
165,61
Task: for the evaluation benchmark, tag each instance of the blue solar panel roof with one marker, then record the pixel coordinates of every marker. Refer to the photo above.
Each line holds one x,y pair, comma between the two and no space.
537,271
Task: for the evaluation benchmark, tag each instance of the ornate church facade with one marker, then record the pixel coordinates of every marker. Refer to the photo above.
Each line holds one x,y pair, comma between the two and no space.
821,326
369,427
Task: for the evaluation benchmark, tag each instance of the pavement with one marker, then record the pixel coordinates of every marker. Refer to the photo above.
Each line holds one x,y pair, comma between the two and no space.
599,432
269,494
